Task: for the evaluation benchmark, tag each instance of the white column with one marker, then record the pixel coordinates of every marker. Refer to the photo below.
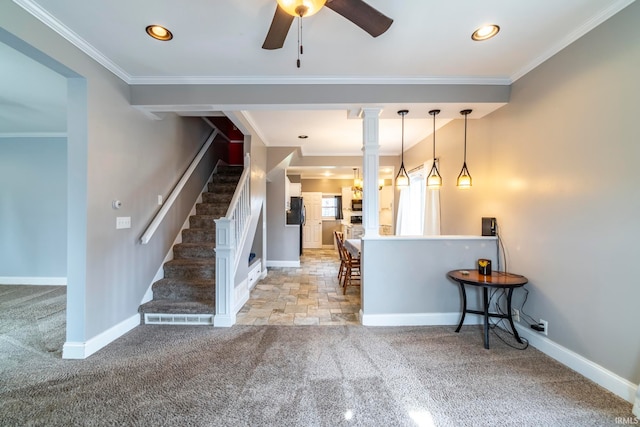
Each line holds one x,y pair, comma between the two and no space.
225,250
370,166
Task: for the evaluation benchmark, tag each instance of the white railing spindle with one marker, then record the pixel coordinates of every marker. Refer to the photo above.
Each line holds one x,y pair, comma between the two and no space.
231,231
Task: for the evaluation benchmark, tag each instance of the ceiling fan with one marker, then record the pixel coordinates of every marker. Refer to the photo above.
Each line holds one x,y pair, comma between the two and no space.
356,11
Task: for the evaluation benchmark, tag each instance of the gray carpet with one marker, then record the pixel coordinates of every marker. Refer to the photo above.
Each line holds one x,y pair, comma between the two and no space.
296,376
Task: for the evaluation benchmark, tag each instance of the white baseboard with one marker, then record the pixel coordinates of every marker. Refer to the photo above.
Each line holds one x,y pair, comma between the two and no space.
636,407
417,319
82,350
283,263
596,373
224,320
37,281
241,295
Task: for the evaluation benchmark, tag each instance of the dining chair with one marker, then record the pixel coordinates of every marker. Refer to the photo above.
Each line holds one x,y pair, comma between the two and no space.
351,275
343,262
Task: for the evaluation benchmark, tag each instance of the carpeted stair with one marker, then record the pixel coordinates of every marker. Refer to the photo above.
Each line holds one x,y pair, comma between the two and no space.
186,295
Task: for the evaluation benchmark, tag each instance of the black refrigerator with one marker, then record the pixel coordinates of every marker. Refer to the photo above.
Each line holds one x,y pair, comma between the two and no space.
295,215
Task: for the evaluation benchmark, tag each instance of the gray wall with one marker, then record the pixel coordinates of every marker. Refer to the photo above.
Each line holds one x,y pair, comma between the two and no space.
558,168
406,276
115,152
33,207
326,185
282,240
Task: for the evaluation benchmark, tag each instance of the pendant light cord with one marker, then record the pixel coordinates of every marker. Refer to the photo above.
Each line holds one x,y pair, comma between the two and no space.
465,138
402,152
434,139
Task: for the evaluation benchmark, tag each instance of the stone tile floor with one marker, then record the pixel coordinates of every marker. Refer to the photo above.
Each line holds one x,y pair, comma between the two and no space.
308,295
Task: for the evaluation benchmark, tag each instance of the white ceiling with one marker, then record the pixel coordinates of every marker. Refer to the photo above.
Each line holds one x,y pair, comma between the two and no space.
219,42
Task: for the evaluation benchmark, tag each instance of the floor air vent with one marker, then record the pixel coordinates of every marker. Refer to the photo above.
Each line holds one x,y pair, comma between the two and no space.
178,319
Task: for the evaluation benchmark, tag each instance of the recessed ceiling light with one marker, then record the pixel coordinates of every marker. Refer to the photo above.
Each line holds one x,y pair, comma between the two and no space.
303,136
485,32
159,32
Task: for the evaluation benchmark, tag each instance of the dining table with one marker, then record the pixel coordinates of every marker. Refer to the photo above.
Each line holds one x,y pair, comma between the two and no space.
354,246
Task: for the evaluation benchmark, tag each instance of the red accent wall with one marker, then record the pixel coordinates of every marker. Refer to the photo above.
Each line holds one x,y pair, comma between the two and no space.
236,153
235,148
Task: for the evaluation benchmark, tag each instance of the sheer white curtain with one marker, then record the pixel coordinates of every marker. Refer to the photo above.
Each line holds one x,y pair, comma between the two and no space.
419,207
411,206
431,209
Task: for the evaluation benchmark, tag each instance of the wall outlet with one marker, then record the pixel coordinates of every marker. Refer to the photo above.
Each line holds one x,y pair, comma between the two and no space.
545,325
515,314
159,199
123,222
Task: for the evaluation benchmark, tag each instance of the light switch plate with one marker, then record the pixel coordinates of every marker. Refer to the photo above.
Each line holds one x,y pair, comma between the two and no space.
123,222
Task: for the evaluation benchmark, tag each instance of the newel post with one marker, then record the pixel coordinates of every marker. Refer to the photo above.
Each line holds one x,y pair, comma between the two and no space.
225,252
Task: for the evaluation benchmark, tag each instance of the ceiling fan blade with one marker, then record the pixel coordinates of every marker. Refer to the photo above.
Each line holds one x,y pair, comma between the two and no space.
361,14
278,31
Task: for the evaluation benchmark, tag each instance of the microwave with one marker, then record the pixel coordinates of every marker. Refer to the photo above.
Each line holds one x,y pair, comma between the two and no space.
356,204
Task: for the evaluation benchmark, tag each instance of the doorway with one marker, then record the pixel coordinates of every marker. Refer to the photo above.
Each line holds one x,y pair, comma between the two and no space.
72,110
312,228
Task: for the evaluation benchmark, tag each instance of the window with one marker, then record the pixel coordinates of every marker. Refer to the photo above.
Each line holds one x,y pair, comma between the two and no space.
419,207
328,207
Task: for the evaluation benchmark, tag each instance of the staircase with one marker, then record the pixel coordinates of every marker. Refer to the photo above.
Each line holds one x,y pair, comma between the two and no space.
186,295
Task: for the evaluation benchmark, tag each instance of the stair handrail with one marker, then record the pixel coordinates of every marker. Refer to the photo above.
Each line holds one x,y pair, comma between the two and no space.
159,217
240,208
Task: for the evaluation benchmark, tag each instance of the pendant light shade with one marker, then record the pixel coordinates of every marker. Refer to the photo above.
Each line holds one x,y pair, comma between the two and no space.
464,179
402,179
434,180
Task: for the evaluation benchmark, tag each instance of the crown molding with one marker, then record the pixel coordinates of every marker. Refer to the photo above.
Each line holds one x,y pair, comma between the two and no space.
292,80
64,31
573,36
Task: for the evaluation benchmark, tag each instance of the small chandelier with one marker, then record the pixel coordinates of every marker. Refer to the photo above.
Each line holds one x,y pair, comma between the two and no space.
402,179
464,179
357,184
434,180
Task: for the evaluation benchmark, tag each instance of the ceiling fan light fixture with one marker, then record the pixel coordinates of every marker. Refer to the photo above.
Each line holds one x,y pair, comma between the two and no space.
485,32
301,7
159,32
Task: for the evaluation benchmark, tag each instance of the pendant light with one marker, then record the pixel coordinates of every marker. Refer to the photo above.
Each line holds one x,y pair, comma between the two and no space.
434,180
464,179
402,179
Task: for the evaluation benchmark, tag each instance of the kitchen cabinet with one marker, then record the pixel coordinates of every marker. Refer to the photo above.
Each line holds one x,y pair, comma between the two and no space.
287,194
295,189
347,195
352,231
